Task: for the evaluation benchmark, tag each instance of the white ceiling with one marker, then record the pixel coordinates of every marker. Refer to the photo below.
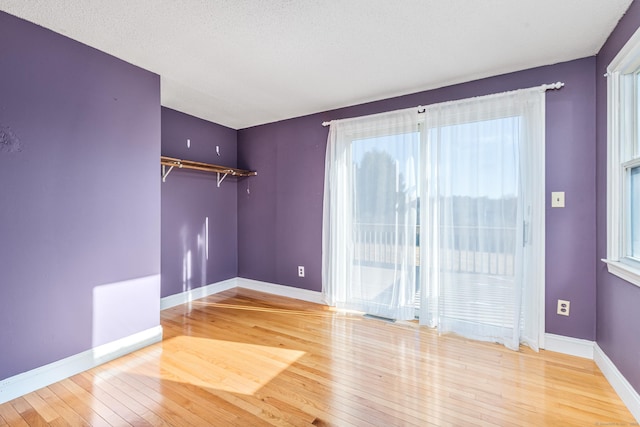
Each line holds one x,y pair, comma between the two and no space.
246,62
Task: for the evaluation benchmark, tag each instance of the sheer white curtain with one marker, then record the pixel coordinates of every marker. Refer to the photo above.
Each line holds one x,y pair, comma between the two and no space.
369,256
482,217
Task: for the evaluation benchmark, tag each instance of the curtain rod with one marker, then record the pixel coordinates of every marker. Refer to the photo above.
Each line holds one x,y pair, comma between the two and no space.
550,86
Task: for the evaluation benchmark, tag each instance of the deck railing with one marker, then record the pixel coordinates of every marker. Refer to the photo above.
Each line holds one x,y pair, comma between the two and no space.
483,250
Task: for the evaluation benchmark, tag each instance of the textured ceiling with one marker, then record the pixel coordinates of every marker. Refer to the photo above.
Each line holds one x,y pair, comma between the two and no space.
246,62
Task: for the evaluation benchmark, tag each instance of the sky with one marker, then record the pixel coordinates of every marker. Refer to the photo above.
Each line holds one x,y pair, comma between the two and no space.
476,159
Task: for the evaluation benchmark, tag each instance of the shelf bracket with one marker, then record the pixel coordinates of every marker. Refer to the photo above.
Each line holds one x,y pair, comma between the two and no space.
221,179
165,172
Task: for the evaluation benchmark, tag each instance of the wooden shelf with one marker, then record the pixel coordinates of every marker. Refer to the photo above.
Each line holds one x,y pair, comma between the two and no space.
221,171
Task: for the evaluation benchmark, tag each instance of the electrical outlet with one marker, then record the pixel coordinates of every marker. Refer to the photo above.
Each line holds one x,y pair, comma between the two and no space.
301,271
563,307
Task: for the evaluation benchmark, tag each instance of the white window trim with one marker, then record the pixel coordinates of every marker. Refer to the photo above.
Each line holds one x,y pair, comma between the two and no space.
625,62
623,271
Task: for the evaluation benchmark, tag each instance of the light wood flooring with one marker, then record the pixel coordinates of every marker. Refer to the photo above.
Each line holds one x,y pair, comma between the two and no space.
251,359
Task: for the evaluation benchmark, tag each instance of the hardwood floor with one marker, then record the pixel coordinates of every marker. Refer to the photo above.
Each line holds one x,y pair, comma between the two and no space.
251,359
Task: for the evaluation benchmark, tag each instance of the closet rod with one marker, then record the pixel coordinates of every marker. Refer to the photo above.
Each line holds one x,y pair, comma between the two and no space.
172,162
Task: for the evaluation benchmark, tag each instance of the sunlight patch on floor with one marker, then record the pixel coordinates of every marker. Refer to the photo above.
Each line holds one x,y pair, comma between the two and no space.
230,366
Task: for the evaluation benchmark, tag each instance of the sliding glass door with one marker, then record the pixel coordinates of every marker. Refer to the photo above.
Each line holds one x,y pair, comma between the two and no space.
372,253
483,216
445,208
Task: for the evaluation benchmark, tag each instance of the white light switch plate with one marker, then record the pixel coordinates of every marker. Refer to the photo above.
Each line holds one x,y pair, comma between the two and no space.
557,199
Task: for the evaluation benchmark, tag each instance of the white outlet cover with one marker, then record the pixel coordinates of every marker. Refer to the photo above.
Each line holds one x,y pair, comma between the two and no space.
563,307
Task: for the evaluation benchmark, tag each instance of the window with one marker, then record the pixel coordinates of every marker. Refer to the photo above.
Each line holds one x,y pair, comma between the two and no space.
623,169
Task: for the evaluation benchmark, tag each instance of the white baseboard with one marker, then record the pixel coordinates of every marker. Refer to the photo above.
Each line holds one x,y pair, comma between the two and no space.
281,290
240,282
197,293
627,393
567,345
43,376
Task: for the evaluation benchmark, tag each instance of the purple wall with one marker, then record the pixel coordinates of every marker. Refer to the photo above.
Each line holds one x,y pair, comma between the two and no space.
79,199
191,197
280,222
618,313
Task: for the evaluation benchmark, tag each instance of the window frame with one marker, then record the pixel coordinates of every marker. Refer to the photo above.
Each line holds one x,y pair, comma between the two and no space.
623,154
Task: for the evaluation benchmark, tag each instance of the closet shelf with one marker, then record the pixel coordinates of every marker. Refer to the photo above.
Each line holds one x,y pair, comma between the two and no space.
221,171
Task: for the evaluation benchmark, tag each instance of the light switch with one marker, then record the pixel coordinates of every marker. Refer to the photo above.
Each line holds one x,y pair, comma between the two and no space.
557,199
